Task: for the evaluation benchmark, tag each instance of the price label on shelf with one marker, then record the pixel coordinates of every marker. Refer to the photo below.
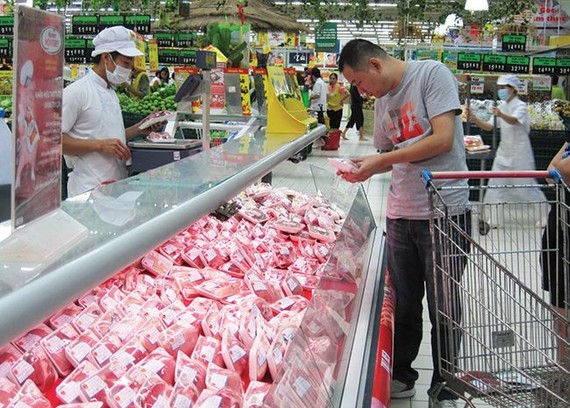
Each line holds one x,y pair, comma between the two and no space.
184,40
6,48
563,66
477,86
514,42
164,38
84,25
518,65
544,66
75,49
494,63
468,61
187,57
168,55
7,25
110,21
139,23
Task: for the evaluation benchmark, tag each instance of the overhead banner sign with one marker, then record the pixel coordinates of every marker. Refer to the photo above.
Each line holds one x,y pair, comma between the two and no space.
326,38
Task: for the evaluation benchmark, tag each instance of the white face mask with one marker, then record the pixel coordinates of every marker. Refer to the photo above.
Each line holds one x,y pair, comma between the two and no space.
119,75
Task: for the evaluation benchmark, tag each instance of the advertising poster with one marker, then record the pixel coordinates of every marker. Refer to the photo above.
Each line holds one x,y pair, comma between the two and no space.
153,55
37,90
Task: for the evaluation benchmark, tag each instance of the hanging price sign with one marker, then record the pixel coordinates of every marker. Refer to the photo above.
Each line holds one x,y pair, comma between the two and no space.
6,48
7,25
75,49
469,62
298,58
110,21
184,40
84,25
140,24
563,66
514,42
494,63
164,38
187,57
168,55
544,66
518,65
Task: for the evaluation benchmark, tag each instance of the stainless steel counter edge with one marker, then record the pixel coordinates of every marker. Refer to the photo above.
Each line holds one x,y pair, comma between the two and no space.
31,304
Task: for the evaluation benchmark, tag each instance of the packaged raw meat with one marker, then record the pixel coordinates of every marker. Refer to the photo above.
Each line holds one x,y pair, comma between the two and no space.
248,330
130,278
82,405
255,394
208,350
232,269
284,254
212,257
231,316
157,117
35,365
8,390
234,354
322,251
96,387
258,357
170,313
101,352
78,349
184,396
156,263
87,317
321,233
309,282
161,363
8,356
64,316
219,378
32,337
211,323
54,345
219,289
181,336
190,372
288,226
152,307
129,325
306,266
253,215
30,396
173,249
132,304
240,258
192,257
128,355
145,284
218,399
275,274
149,333
112,299
155,393
253,305
185,281
267,290
306,247
276,354
294,303
107,322
122,394
68,390
90,297
291,286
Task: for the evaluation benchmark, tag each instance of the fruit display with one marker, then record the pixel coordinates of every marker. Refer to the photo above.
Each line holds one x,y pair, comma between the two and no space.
6,104
160,100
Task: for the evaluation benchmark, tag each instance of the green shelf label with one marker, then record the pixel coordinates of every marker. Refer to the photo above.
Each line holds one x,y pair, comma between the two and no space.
463,57
84,20
75,43
544,62
6,20
168,52
111,20
518,60
137,19
514,39
4,43
185,36
188,53
495,59
163,36
563,62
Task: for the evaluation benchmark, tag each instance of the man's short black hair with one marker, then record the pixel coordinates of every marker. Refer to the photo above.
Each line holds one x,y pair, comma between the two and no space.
97,58
316,72
356,53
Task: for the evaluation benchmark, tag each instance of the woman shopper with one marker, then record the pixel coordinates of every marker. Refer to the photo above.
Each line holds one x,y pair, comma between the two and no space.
336,97
356,114
514,151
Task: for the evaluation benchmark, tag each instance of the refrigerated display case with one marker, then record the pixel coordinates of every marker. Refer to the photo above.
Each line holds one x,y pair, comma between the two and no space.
332,355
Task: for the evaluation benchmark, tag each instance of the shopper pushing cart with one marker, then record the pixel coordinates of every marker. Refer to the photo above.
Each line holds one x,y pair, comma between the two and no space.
505,346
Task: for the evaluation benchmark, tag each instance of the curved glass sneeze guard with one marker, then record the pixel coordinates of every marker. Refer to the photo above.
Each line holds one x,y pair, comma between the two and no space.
315,364
130,217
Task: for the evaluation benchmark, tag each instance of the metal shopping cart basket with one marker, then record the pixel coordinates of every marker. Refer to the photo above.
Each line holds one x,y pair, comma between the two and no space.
499,337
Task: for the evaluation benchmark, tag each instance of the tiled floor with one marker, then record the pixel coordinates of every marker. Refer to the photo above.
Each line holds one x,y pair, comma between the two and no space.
297,176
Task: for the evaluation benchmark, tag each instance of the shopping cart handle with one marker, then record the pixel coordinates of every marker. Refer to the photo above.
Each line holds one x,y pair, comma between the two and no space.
428,176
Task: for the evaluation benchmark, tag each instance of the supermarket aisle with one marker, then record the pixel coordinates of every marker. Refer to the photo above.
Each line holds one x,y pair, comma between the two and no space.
298,177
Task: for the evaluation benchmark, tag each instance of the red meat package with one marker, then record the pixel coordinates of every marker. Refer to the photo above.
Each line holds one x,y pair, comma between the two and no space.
322,234
30,396
111,301
64,316
160,363
82,405
96,387
240,258
190,372
68,390
181,336
107,322
308,282
155,393
307,266
173,249
255,306
183,396
157,117
231,316
232,269
32,337
253,215
234,353
133,303
211,323
149,333
208,350
212,257
267,290
288,226
156,263
128,355
275,355
223,379
322,251
218,399
87,317
284,254
293,303
258,357
79,349
185,279
90,297
8,355
219,289
255,394
122,393
145,284
192,257
291,286
36,366
101,352
8,390
152,307
54,345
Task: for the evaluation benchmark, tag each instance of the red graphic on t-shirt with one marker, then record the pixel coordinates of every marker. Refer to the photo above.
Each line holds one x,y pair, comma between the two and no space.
404,124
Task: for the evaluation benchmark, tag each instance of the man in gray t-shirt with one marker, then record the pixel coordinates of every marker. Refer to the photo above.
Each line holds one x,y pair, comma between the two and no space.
418,123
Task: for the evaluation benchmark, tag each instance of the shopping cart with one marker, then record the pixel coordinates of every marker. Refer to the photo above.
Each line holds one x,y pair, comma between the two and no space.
497,336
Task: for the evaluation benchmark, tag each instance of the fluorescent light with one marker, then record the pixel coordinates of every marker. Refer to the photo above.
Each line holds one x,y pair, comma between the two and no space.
476,5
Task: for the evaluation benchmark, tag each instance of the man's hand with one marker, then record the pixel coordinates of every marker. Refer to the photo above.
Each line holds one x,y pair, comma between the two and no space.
367,167
115,148
136,130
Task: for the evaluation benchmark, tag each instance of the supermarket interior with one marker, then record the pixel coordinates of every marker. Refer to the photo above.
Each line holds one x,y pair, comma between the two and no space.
277,203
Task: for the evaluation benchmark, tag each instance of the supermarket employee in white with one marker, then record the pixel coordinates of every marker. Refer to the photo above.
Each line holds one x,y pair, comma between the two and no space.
94,136
514,151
